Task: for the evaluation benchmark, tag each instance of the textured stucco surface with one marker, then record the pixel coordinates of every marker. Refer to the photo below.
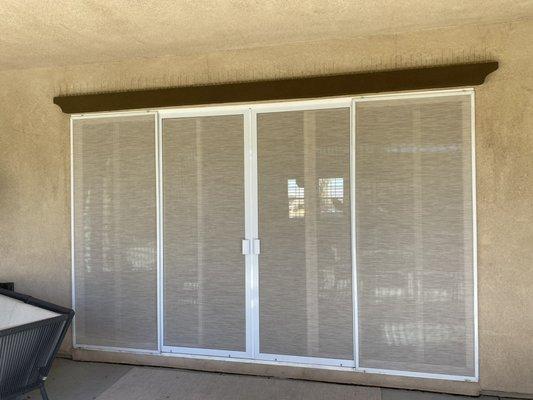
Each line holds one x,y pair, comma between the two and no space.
34,161
50,33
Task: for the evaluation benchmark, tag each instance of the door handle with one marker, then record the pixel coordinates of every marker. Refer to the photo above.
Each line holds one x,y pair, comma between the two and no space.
257,246
245,246
251,246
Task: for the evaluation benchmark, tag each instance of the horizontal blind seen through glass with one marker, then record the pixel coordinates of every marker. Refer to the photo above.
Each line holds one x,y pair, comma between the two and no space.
305,265
115,231
414,235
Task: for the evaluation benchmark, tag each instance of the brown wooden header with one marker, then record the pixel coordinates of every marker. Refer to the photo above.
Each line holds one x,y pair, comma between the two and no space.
283,89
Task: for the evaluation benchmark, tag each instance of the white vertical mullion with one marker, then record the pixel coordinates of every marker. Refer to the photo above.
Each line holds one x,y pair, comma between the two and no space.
248,179
254,230
159,227
474,230
72,228
354,233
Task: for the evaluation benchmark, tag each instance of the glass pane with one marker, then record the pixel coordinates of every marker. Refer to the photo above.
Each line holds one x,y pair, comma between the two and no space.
203,212
305,270
115,232
414,235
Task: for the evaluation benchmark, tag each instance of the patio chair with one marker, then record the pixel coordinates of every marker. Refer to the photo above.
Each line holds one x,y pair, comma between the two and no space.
31,332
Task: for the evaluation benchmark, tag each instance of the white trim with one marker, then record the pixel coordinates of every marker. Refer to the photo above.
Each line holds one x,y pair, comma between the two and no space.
262,362
112,114
72,231
353,228
412,95
206,352
113,349
316,104
192,112
474,229
237,108
248,230
411,374
306,360
254,217
159,228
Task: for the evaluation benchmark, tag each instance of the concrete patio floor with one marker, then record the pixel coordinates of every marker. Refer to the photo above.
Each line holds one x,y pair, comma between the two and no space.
72,380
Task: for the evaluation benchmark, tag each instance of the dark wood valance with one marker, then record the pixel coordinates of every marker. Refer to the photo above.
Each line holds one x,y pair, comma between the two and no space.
283,89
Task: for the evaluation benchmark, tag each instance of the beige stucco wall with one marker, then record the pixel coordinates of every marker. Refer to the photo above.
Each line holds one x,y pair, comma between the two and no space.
34,162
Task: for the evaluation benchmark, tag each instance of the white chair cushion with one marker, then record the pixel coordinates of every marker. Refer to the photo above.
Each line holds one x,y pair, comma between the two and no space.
14,313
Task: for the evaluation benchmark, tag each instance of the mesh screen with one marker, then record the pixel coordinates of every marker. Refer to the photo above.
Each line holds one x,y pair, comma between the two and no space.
305,295
414,235
204,269
115,231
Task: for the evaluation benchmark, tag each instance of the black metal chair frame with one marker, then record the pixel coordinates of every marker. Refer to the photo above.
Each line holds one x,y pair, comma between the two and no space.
27,351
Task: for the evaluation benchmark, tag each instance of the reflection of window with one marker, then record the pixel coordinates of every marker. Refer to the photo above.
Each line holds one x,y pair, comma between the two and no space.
331,195
296,199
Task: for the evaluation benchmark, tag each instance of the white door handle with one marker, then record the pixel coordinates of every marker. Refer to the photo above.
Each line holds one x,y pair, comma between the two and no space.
257,246
245,246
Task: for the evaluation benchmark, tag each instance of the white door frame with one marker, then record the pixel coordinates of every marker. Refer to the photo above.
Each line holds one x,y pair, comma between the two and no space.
250,111
192,113
322,104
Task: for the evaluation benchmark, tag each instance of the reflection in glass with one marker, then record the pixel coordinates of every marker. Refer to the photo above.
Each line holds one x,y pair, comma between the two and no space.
305,293
331,192
296,199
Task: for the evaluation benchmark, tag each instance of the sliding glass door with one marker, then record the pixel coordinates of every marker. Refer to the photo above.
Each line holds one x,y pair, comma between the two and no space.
203,220
114,232
305,266
297,200
415,234
336,232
